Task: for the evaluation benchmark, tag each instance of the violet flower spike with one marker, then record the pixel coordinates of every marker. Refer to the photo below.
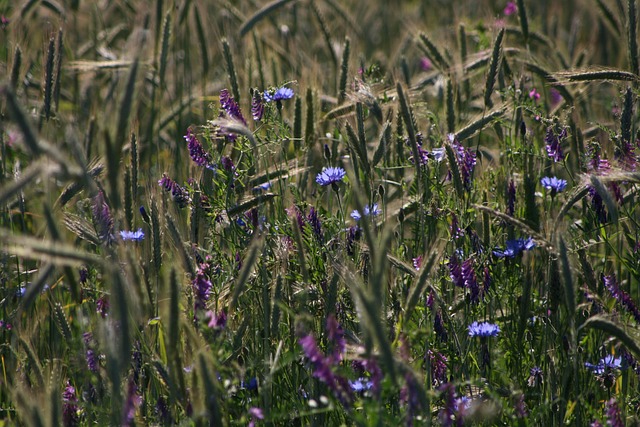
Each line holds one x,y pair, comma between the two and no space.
196,150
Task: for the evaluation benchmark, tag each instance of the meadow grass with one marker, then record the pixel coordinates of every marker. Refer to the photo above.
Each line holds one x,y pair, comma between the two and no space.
319,213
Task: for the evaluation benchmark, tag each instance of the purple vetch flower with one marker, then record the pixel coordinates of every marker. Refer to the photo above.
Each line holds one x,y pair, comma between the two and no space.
335,336
625,155
84,275
511,198
102,306
614,414
4,22
449,412
136,236
483,329
70,416
196,151
257,107
455,271
454,229
486,280
314,222
90,355
323,370
372,210
425,64
555,96
201,290
521,407
438,363
621,296
279,94
534,94
417,262
514,248
510,8
230,107
470,280
597,204
438,327
466,160
331,175
179,194
131,404
217,321
595,162
103,219
553,140
555,185
256,414
353,234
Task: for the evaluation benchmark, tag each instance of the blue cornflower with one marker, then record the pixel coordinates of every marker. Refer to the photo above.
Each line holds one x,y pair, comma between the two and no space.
514,248
136,236
330,176
372,210
361,385
483,330
609,362
556,185
278,95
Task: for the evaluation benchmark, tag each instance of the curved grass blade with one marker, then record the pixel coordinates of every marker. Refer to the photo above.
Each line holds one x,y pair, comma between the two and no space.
260,14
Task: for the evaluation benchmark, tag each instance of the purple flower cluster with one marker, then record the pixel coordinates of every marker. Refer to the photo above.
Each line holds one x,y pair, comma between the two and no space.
230,107
553,140
438,363
614,414
201,290
621,296
70,406
626,156
179,194
256,414
323,370
102,306
511,198
510,8
103,219
466,160
90,355
257,107
335,336
514,248
464,276
314,222
196,150
595,162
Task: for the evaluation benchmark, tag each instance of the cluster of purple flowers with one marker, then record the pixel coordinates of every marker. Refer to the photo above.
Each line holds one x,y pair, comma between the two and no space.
70,416
179,194
464,276
201,290
621,296
466,160
553,139
103,219
90,354
230,108
196,150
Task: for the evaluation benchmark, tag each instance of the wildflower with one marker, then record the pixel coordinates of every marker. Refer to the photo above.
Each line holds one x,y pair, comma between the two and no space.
514,248
314,222
201,289
90,355
597,203
70,406
466,160
103,218
217,321
131,404
372,210
84,275
614,414
331,175
256,414
425,64
438,327
279,94
553,140
352,236
179,194
438,363
438,154
145,215
250,385
483,330
455,271
196,151
335,336
4,22
230,107
257,107
102,306
227,164
554,184
607,363
521,407
136,236
486,281
626,156
535,377
534,94
510,8
470,280
456,231
623,298
417,262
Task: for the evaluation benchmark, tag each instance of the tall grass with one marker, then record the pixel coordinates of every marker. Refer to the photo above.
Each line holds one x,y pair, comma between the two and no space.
349,213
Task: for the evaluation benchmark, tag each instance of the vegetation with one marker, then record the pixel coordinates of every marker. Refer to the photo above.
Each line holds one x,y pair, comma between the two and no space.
319,213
